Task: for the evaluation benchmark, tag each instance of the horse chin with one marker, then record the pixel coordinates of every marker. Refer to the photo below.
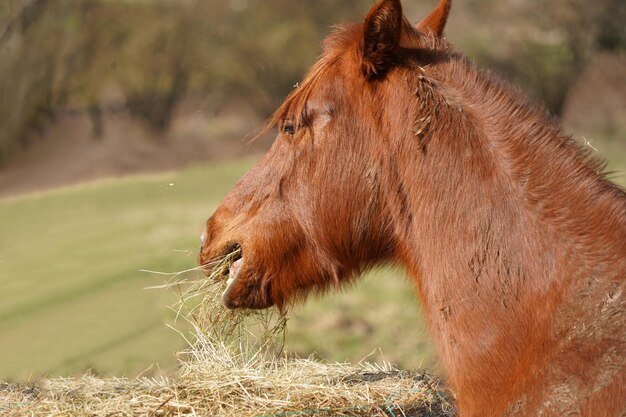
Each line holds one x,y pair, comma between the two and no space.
241,290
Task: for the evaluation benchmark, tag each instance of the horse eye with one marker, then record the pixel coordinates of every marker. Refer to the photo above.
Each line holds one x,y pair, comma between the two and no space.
289,128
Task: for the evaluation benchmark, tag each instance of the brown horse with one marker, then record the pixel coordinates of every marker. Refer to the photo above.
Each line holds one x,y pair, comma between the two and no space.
396,149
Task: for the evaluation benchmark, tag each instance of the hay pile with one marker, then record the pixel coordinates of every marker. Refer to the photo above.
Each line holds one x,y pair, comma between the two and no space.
233,367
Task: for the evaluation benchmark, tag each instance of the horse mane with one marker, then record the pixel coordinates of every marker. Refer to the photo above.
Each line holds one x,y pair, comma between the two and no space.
522,148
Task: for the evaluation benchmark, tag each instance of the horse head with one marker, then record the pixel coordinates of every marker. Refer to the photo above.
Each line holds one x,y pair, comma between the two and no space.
311,214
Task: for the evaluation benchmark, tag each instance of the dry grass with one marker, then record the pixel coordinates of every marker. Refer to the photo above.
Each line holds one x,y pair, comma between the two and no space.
233,367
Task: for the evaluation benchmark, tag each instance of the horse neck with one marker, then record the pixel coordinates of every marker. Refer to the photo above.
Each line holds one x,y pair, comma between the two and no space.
497,217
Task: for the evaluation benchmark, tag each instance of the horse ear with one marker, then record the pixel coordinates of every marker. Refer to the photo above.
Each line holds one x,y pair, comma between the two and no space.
436,21
381,37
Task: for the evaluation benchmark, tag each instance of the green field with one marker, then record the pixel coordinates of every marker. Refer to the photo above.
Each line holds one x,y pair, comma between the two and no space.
73,297
72,294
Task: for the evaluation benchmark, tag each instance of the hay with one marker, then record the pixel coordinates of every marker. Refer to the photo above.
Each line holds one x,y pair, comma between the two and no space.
233,367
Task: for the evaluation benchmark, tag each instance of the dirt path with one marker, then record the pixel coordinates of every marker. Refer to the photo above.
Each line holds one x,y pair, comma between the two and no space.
67,152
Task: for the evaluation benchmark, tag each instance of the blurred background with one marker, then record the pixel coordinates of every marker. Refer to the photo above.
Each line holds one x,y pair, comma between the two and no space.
124,122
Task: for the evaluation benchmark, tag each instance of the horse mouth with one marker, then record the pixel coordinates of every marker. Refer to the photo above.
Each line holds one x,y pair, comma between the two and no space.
234,271
242,290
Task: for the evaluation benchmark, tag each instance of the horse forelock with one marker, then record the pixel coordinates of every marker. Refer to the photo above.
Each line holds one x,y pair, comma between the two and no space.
345,39
294,108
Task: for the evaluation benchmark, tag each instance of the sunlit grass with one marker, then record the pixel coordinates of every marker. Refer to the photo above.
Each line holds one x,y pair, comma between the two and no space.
73,296
72,292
